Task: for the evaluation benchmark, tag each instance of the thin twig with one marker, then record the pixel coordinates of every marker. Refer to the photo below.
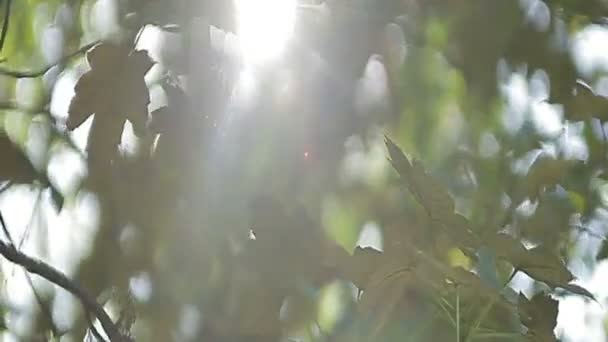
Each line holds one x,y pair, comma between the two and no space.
30,222
482,315
93,329
43,307
56,277
585,230
43,70
457,313
5,230
511,276
5,186
605,141
7,16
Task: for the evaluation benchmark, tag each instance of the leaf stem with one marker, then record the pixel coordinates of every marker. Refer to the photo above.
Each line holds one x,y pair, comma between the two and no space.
457,313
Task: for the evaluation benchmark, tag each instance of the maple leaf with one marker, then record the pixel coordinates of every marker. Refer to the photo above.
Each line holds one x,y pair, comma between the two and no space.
539,263
114,90
432,196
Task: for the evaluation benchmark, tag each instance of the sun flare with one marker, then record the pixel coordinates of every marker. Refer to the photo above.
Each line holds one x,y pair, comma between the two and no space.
264,27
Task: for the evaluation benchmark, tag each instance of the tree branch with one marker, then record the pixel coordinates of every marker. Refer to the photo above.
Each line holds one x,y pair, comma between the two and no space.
42,71
7,16
51,274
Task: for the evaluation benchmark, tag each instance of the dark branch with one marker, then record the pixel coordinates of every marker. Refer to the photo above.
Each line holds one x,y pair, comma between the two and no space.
93,329
5,229
42,71
49,273
7,16
41,303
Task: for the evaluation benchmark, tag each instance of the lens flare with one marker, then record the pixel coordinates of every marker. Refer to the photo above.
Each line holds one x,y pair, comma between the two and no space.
264,27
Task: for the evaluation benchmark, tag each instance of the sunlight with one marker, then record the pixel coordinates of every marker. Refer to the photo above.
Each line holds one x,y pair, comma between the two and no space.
264,27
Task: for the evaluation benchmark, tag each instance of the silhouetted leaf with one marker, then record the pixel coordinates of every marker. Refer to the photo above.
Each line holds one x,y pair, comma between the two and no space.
550,220
543,265
579,290
114,90
293,236
361,266
539,315
114,86
391,286
546,172
538,262
603,253
14,165
171,119
433,197
17,168
585,104
429,193
470,285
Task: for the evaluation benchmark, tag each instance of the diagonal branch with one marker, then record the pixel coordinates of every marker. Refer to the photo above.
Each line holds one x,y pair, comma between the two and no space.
51,274
43,306
7,16
43,70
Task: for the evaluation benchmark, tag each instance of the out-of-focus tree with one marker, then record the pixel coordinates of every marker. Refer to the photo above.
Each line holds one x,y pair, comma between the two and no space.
340,170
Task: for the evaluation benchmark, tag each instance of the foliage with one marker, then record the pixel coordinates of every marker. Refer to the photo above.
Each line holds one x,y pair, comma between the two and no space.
239,208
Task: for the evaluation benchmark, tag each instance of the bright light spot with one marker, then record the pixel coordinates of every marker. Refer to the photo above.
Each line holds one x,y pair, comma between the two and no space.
264,27
371,236
590,48
141,287
306,154
245,91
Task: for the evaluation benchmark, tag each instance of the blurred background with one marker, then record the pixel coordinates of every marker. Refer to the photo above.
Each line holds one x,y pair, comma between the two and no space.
219,187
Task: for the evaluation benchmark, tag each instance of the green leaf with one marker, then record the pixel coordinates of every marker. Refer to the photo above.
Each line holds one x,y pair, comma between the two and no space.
542,264
433,197
539,263
427,191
